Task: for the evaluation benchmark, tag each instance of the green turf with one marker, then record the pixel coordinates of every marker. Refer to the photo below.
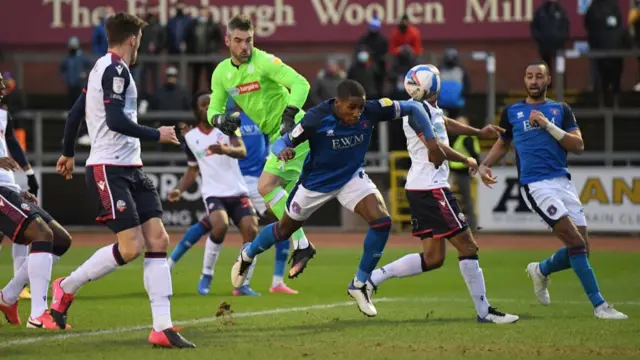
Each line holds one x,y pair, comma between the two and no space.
427,316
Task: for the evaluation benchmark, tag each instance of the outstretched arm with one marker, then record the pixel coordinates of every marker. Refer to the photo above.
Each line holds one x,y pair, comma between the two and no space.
489,132
72,125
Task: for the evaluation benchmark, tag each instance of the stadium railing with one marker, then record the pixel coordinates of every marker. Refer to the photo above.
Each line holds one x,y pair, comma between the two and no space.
183,61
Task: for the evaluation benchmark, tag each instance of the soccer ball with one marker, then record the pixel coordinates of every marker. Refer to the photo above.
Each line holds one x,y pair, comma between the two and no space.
422,81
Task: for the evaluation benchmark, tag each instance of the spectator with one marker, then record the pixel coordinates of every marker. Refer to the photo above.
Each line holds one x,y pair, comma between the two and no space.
634,27
364,71
406,34
402,63
470,147
74,69
203,37
99,43
326,83
171,96
379,46
605,31
152,43
550,29
176,30
455,85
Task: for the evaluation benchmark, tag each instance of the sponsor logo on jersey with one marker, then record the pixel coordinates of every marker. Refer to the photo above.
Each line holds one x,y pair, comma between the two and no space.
247,88
347,142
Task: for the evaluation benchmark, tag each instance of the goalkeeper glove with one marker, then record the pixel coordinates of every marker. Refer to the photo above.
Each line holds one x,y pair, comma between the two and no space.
288,119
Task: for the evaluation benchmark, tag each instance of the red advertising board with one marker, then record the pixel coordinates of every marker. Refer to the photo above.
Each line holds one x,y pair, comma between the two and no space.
34,22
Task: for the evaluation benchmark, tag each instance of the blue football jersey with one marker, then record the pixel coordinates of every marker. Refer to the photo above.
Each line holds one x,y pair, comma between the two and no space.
337,150
539,156
257,146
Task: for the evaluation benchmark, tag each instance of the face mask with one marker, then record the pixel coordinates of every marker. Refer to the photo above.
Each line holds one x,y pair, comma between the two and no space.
363,56
202,19
403,27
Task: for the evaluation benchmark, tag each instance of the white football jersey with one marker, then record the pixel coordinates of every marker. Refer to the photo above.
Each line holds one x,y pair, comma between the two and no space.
111,81
221,176
6,176
423,175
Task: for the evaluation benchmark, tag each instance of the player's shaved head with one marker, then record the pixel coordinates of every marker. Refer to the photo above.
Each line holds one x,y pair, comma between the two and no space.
350,88
539,63
200,105
349,103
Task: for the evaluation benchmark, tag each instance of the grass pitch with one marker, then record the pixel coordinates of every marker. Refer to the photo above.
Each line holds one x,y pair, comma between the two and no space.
426,316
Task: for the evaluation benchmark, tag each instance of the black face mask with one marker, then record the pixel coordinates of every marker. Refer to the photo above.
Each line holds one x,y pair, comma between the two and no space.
180,12
403,27
73,51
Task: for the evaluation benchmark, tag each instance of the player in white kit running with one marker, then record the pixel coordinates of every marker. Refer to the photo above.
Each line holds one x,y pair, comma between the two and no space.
215,156
22,220
129,204
436,215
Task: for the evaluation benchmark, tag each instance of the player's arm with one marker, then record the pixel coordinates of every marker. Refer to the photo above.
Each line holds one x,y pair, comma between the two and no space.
19,156
72,125
503,144
189,176
420,123
489,132
237,150
218,97
286,76
569,136
115,82
284,146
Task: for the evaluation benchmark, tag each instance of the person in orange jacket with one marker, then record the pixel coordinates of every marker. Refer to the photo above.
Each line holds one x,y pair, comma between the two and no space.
405,34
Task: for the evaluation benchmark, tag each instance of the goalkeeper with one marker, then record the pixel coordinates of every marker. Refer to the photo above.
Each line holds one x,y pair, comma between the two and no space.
272,94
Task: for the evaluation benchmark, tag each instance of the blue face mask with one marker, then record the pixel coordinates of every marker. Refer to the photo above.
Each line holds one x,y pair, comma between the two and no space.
363,56
202,19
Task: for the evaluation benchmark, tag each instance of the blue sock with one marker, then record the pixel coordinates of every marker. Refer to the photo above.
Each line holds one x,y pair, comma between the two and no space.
374,243
192,236
557,262
282,253
582,268
265,240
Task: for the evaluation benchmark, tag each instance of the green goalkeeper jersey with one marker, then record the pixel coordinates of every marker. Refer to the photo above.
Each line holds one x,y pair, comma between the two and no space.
263,87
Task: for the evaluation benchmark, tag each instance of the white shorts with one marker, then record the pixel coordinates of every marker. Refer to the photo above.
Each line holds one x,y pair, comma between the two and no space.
302,202
553,199
254,195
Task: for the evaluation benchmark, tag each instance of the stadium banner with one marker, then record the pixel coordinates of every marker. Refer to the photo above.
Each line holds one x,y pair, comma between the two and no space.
611,199
292,21
68,201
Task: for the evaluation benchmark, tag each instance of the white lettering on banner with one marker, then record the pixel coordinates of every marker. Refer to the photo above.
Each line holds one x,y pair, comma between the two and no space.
478,11
610,196
338,11
166,182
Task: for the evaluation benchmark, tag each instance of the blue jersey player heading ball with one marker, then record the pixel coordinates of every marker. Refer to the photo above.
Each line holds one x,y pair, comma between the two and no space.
543,131
339,131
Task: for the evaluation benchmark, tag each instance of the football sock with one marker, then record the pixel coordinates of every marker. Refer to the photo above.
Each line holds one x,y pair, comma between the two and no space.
265,240
557,262
582,268
374,243
277,202
103,262
211,253
19,254
407,265
282,253
39,265
247,280
473,277
157,282
190,238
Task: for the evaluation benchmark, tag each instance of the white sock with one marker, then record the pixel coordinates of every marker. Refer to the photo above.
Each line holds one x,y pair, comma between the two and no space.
211,255
299,241
11,291
157,282
472,274
247,280
39,269
405,266
277,280
100,264
19,254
